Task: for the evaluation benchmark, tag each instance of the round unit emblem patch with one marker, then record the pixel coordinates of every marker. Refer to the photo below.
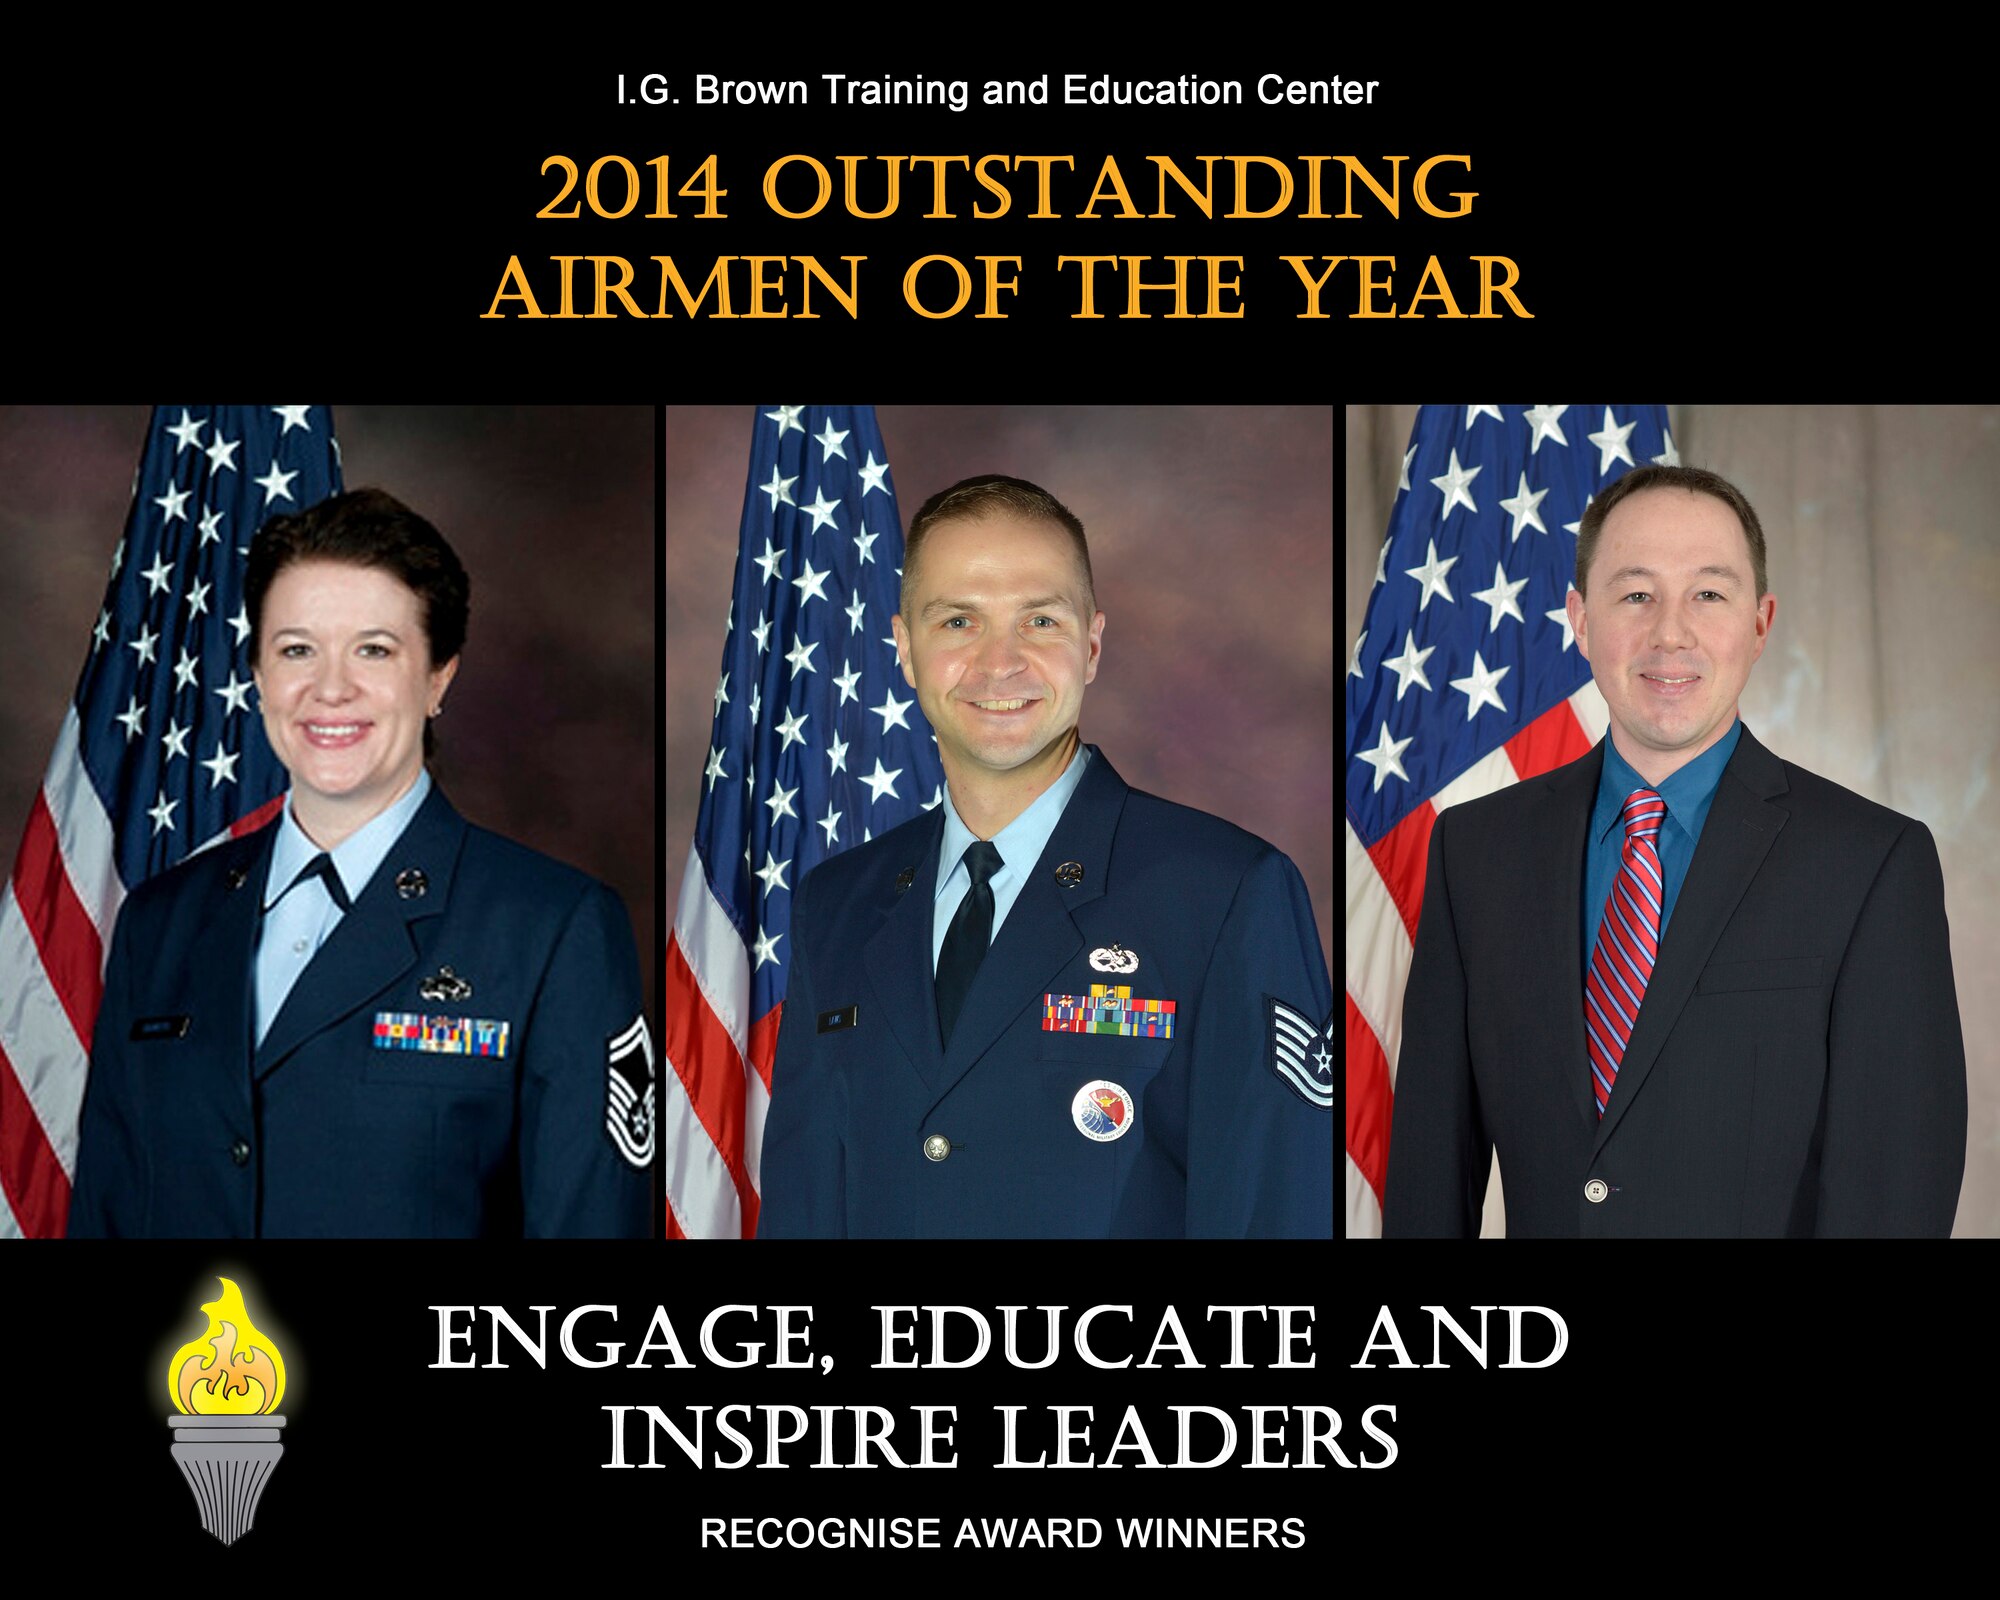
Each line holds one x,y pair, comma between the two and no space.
1102,1111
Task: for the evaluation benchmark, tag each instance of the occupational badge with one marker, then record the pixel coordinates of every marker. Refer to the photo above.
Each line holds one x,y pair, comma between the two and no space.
629,1094
1102,1111
1115,959
444,984
1301,1053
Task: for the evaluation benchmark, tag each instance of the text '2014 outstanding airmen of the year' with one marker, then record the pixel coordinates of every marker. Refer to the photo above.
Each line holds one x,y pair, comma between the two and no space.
1074,89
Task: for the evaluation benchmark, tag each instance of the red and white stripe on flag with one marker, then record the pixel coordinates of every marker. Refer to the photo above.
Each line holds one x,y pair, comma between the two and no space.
1385,893
56,913
720,1085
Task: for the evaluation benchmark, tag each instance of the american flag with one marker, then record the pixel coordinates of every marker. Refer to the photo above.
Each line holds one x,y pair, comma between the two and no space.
1466,678
817,745
162,752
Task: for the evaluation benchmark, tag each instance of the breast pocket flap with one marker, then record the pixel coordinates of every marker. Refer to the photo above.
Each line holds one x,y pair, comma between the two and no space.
1723,977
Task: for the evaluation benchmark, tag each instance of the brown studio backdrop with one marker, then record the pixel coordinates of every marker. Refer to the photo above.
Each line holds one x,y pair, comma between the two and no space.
547,735
1210,534
1882,525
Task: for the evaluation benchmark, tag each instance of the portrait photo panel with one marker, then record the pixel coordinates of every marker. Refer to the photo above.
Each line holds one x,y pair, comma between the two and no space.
1086,645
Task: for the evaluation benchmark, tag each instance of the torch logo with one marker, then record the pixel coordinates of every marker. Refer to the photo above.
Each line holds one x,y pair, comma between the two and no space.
226,1386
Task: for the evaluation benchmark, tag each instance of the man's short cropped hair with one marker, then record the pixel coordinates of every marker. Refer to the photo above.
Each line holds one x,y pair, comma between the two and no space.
1693,479
974,498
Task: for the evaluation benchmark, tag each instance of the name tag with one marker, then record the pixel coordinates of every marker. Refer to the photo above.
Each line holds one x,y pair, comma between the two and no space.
834,1021
441,1036
149,1028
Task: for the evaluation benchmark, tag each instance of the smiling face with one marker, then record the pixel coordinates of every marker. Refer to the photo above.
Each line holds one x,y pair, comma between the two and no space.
1672,625
998,638
345,680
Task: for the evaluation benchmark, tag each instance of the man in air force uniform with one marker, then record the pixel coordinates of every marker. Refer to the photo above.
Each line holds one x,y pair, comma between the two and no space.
1054,1006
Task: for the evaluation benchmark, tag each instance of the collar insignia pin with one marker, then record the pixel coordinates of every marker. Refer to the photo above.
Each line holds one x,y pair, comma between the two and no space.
411,883
1070,874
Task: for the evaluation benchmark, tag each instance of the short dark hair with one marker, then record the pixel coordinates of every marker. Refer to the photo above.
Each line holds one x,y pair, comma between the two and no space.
1692,479
973,498
367,528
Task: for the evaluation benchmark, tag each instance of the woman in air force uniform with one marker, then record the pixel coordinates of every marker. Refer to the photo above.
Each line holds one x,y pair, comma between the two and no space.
369,1018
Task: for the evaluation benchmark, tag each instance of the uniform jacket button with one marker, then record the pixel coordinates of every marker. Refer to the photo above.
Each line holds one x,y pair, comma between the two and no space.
1595,1191
239,1152
937,1147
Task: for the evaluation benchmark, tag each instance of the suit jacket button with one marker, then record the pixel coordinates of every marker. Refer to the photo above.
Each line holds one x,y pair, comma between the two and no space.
937,1147
239,1152
1595,1191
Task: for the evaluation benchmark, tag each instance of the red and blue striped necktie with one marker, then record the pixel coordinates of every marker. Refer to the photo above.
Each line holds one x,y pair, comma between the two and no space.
1628,943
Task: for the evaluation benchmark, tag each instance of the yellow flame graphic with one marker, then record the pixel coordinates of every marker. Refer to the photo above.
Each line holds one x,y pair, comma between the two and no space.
232,1369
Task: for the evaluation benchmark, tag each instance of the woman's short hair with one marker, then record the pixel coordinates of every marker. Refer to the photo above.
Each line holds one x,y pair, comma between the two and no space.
367,528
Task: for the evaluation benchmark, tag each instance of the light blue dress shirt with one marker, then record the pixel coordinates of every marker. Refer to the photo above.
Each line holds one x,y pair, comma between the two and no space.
298,922
1688,794
1020,844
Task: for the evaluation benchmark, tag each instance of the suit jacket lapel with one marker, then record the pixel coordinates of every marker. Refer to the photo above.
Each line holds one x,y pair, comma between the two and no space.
1040,936
374,944
1742,826
898,956
1552,923
221,986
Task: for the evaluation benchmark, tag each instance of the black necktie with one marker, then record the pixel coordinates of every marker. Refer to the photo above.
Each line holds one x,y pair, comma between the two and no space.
971,931
321,866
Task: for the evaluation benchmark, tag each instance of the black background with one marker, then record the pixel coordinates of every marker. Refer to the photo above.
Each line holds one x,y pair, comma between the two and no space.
347,205
503,1470
1709,1392
197,205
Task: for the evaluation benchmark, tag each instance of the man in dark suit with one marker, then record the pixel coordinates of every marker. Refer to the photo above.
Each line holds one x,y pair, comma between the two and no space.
1753,1030
1053,1006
